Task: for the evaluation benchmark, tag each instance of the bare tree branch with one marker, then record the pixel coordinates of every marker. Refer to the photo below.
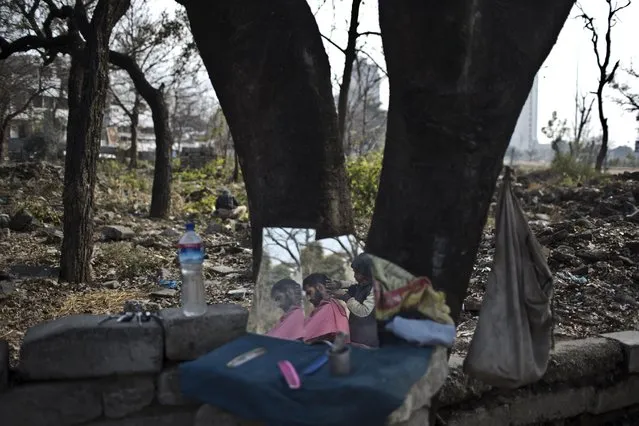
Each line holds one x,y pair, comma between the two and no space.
341,49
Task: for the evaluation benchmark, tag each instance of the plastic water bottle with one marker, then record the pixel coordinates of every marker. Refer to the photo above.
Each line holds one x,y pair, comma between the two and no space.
191,255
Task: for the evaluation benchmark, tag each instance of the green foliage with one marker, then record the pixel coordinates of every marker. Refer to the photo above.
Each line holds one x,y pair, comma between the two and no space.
214,175
571,170
41,209
363,178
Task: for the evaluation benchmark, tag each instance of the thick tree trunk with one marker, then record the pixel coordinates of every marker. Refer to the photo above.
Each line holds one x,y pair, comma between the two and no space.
135,119
271,74
349,58
161,191
459,74
88,82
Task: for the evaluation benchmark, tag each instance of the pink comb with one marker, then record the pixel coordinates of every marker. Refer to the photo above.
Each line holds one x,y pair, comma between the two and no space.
290,374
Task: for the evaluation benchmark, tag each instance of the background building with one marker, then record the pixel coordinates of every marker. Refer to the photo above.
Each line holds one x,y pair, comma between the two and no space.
524,138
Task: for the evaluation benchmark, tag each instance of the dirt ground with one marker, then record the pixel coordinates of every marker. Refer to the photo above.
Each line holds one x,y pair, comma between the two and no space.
592,237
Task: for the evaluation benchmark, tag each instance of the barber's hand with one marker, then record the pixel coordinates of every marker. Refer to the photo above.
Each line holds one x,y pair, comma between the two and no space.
344,297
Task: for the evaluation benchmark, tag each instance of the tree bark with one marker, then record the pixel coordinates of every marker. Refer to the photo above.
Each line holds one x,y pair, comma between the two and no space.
459,74
135,119
88,82
271,74
161,192
603,149
349,58
236,168
4,145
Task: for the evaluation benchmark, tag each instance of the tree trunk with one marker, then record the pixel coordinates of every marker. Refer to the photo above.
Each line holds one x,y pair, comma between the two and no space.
161,192
453,107
349,58
88,82
236,168
4,142
603,150
271,74
135,119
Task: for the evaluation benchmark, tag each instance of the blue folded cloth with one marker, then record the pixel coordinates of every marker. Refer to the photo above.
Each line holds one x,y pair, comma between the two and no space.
378,384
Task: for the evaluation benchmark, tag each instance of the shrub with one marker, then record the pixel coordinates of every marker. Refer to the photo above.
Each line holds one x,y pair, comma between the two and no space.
572,170
363,178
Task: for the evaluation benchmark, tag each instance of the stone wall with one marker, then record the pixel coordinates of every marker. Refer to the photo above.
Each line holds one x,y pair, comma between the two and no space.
73,371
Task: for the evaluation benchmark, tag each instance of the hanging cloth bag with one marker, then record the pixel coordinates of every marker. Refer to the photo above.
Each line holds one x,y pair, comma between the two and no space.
512,341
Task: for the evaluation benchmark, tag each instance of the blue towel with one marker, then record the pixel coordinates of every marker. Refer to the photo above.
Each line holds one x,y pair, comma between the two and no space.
377,385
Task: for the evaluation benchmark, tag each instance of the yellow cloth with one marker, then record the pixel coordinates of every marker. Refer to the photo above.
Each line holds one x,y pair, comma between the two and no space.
397,290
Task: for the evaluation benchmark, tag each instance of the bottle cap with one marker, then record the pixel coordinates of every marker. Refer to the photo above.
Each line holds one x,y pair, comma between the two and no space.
190,226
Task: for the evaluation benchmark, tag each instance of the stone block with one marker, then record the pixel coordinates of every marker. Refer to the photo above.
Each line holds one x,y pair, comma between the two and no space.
78,347
153,416
126,395
4,365
621,395
168,388
187,338
544,407
208,415
630,342
498,416
576,360
47,404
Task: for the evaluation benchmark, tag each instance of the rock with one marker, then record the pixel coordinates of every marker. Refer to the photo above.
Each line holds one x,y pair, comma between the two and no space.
593,255
222,269
117,233
22,221
633,246
7,288
169,391
78,346
127,395
239,293
4,221
171,233
164,292
34,271
4,365
580,271
542,216
583,236
187,338
214,228
54,236
47,404
111,284
626,261
565,255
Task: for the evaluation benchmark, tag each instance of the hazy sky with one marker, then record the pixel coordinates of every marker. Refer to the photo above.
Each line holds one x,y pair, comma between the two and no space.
570,63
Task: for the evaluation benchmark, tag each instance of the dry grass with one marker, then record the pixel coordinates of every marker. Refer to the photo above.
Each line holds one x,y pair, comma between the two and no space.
97,302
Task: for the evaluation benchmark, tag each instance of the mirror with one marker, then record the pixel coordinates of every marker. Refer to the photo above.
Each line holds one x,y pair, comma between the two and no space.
304,286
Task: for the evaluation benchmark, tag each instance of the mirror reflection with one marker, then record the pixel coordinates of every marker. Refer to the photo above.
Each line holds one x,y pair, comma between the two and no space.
311,290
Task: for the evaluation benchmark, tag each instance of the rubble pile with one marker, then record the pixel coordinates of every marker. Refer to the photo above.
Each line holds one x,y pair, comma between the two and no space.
592,236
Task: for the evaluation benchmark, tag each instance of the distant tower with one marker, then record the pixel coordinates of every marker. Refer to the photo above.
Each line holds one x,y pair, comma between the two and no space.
524,137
